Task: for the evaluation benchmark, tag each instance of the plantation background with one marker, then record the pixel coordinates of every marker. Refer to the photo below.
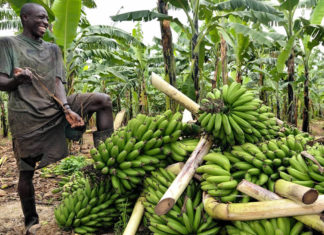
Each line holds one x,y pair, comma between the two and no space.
213,43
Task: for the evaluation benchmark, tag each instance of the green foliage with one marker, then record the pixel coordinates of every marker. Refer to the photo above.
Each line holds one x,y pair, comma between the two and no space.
67,14
17,4
70,164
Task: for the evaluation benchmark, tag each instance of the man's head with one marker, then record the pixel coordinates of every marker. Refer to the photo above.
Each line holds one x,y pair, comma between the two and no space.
34,19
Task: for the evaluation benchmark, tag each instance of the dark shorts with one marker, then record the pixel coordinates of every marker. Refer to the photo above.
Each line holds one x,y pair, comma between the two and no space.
48,144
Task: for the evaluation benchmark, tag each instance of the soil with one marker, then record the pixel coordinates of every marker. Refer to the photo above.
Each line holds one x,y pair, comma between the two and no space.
317,127
11,217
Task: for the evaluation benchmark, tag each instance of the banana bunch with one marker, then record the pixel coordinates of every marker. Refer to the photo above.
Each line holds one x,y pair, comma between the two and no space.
217,178
190,129
125,202
187,215
88,209
133,151
69,184
312,168
180,150
275,226
287,129
236,116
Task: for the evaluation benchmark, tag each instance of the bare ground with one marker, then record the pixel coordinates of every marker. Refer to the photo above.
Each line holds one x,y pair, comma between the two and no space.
317,127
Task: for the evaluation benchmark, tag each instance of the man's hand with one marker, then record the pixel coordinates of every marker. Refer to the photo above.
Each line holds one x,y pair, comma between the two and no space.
73,118
22,76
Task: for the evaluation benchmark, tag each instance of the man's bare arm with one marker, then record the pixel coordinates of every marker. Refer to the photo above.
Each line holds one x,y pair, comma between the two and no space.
73,118
10,84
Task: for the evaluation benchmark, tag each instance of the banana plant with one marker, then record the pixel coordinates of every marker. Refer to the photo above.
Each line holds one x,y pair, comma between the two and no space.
9,19
310,37
293,32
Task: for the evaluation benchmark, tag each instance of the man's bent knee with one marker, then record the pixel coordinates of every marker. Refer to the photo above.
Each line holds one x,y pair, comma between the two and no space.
101,101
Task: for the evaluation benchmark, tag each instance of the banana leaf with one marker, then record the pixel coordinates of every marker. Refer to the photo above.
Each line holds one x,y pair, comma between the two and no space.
254,5
67,13
16,5
289,5
284,55
318,13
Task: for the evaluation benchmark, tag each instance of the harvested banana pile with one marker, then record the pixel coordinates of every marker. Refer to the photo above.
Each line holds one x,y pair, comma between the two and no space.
235,116
261,164
186,217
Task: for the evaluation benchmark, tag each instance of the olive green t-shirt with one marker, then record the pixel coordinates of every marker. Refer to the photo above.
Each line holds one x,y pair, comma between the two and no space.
31,108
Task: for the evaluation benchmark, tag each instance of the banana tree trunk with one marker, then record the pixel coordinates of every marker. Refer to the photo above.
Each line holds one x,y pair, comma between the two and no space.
182,180
169,62
239,74
291,103
118,103
3,118
224,60
174,94
314,221
296,110
296,192
278,104
144,101
260,210
305,127
215,82
119,119
136,217
195,57
261,83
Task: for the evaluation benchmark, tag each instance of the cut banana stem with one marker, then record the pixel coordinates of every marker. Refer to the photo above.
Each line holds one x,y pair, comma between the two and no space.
310,157
184,177
279,122
119,119
296,192
136,217
261,194
260,210
174,93
175,168
256,191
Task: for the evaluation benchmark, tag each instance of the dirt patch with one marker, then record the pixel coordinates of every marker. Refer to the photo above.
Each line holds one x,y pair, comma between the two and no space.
317,127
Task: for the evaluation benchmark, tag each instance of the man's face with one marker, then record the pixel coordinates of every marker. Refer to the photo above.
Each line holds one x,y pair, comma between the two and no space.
36,22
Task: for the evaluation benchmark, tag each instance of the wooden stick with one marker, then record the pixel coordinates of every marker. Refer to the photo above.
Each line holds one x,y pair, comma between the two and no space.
310,157
261,194
174,94
256,191
175,168
279,122
296,192
138,211
260,210
136,217
119,119
184,177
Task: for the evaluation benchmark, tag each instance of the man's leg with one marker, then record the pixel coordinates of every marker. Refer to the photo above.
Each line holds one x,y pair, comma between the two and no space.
102,106
99,103
27,194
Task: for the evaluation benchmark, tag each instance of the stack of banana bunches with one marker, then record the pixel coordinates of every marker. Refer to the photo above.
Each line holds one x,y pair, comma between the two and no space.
247,144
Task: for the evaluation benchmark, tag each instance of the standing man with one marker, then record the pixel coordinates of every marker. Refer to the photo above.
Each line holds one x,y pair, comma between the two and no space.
37,122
